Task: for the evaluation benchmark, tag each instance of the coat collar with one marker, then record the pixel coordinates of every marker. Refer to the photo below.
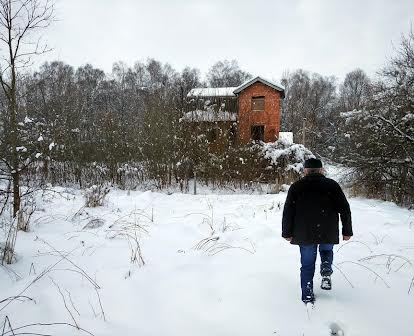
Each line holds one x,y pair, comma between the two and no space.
314,175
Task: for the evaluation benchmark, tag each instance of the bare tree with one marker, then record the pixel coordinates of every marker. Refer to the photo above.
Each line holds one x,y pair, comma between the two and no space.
379,140
355,91
226,73
20,22
310,96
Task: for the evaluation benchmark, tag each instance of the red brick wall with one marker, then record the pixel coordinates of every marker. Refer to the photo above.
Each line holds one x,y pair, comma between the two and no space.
270,117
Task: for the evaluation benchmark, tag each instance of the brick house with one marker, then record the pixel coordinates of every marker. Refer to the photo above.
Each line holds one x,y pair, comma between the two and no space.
231,115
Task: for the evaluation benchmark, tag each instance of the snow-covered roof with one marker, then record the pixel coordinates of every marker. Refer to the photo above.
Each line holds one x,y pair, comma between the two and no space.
209,115
233,91
349,114
212,92
261,80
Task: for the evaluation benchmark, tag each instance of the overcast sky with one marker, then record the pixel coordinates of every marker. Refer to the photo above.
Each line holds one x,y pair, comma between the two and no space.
266,37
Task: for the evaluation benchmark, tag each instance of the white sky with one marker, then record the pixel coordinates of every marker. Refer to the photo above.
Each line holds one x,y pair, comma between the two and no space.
266,37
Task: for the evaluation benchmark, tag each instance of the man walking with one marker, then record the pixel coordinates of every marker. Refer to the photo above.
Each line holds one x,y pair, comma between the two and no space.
310,218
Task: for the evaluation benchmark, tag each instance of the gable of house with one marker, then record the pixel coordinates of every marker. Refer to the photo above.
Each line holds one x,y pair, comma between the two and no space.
259,106
254,105
259,79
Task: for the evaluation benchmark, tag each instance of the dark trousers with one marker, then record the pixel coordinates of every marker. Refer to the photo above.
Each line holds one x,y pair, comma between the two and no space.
308,255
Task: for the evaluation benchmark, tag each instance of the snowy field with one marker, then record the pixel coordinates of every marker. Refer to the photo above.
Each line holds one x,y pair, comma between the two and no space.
215,264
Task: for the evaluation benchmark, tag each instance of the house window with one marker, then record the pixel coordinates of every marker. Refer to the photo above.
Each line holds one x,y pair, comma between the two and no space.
258,103
257,132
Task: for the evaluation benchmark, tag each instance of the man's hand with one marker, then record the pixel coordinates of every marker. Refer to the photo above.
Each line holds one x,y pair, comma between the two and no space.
289,239
346,237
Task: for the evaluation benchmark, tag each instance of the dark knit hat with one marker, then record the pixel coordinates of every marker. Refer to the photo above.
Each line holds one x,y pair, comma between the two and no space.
313,163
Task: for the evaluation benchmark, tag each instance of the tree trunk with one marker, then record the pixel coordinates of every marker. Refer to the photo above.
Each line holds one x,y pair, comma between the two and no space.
16,193
14,143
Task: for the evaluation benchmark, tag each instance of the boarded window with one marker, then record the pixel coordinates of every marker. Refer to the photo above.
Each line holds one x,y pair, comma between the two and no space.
257,132
258,103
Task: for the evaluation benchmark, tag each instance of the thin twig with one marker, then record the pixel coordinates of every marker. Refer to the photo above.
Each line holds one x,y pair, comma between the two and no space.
71,301
72,263
64,302
343,274
18,298
7,333
354,241
411,285
100,304
43,273
369,269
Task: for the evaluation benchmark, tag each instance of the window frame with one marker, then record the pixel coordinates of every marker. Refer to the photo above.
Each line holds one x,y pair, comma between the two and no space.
253,105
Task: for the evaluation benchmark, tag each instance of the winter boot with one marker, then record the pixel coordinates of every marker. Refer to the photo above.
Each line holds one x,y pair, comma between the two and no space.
308,296
326,283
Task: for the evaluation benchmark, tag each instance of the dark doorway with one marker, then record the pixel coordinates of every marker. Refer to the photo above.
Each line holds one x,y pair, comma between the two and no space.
257,132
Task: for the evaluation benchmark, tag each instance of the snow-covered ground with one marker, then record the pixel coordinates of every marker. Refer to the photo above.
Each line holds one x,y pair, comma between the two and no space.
215,264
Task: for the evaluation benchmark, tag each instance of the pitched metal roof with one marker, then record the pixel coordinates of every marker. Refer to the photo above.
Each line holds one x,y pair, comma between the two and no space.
261,80
233,91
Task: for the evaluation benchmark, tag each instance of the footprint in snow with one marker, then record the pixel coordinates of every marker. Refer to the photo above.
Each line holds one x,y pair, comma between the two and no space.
336,329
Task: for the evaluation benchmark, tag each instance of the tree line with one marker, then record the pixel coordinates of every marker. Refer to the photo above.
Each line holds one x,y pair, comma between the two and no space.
78,117
67,125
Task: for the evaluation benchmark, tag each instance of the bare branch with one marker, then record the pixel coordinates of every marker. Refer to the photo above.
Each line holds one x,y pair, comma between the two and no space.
389,122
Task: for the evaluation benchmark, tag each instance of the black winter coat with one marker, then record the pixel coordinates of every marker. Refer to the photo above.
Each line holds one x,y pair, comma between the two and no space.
310,214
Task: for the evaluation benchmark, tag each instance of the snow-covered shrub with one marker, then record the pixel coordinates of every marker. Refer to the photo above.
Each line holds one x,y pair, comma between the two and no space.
132,227
95,195
7,249
285,156
26,211
277,162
